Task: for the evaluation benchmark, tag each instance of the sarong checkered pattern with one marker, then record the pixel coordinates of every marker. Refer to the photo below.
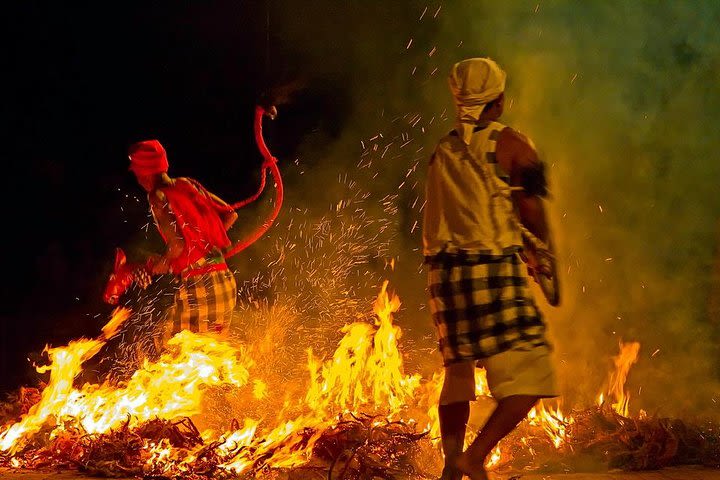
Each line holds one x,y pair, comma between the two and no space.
203,303
481,305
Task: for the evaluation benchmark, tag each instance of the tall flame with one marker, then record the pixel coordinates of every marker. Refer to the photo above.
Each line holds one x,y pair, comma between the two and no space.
367,367
365,373
616,392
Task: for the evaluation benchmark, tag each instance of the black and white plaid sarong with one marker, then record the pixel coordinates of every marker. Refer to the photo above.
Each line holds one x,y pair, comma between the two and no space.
481,306
203,303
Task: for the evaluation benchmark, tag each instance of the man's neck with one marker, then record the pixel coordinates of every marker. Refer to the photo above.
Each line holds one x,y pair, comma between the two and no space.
486,118
164,181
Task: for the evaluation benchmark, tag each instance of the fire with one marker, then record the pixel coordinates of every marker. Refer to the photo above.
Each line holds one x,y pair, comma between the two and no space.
66,363
481,386
367,367
169,388
552,421
365,375
616,383
494,458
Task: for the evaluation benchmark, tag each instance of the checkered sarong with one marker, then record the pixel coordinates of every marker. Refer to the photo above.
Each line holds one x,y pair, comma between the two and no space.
203,303
481,306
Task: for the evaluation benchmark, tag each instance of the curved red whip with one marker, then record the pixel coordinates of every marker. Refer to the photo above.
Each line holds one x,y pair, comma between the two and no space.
269,163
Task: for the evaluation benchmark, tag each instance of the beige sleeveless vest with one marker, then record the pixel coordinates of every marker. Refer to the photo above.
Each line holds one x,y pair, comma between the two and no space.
468,205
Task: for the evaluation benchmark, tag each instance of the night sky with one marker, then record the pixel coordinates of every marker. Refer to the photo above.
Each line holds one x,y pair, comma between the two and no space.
621,98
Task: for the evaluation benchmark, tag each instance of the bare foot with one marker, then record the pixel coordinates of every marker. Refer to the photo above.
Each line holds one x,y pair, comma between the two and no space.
450,473
470,468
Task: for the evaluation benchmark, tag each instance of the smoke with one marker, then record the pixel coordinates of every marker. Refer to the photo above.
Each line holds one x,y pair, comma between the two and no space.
621,99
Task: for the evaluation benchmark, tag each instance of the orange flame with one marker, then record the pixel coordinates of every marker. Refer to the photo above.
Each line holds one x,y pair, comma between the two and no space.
367,367
366,373
65,364
552,421
616,383
169,388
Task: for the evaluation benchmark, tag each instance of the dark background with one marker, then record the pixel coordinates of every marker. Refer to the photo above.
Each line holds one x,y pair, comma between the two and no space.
86,81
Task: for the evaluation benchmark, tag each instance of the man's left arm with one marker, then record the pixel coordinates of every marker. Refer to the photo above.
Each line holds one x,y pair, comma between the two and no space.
167,224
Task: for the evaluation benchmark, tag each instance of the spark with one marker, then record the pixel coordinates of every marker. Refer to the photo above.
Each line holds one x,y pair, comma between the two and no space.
423,13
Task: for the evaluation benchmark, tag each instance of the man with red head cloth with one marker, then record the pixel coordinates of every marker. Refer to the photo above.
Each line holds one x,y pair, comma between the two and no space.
194,223
483,180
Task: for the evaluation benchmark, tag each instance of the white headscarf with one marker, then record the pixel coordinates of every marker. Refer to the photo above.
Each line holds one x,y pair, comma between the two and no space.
474,83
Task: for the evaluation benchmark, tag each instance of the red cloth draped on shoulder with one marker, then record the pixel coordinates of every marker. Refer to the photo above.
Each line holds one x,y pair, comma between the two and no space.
198,219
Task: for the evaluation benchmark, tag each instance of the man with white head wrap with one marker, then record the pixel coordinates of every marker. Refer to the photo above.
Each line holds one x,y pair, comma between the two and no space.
474,83
482,177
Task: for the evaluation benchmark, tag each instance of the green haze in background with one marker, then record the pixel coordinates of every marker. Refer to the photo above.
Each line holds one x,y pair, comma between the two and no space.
622,100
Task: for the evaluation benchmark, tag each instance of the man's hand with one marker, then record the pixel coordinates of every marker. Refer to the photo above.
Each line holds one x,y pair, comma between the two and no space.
537,261
271,112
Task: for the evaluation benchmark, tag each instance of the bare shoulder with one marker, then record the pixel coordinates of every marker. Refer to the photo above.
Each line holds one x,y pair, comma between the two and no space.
516,141
190,183
185,181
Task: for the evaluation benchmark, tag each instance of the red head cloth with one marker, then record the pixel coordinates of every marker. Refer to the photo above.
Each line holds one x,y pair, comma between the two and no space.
148,158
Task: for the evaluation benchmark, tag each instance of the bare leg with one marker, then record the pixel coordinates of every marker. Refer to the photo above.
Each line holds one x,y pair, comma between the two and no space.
453,421
509,412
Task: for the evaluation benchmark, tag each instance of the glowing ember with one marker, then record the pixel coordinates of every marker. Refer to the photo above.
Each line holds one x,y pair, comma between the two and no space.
494,458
